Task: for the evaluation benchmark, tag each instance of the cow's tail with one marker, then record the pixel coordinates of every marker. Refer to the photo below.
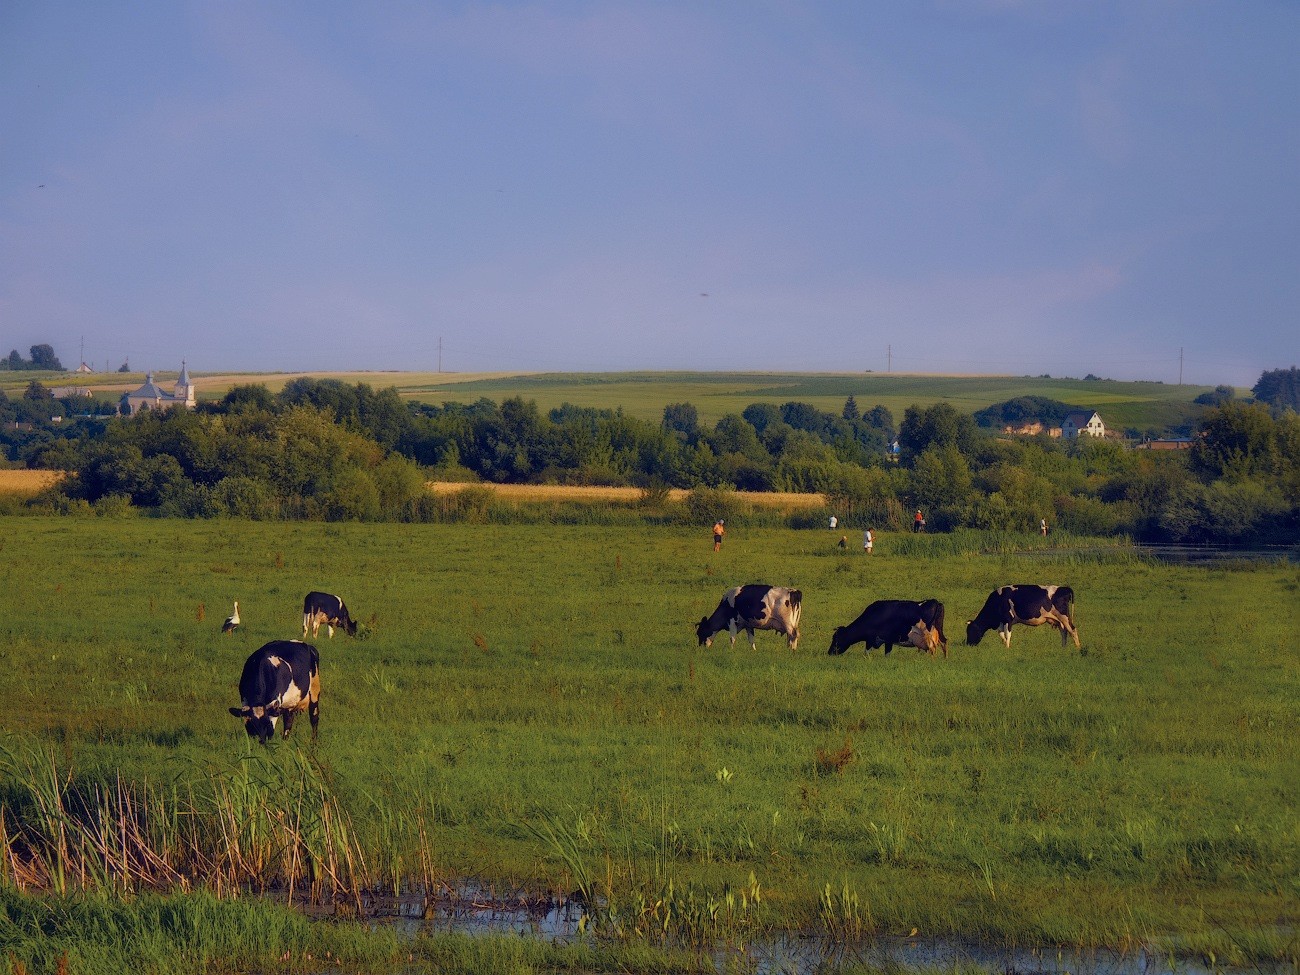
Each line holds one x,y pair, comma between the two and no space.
1067,596
938,625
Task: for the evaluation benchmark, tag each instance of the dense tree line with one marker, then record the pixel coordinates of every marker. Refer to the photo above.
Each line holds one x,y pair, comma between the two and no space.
43,357
325,449
1279,388
1025,409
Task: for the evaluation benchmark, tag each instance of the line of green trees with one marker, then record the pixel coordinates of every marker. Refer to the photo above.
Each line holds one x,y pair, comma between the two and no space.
43,357
324,449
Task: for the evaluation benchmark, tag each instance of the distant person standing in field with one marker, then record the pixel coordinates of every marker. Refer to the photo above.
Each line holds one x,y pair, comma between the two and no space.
918,522
868,541
1042,526
834,522
719,529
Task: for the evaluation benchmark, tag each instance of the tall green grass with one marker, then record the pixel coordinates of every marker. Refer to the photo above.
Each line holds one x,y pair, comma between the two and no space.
98,935
1140,791
253,825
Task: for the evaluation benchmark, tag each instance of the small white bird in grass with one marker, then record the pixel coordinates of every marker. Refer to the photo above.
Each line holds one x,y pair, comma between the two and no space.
232,620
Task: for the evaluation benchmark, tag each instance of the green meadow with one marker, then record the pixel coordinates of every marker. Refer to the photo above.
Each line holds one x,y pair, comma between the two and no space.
528,708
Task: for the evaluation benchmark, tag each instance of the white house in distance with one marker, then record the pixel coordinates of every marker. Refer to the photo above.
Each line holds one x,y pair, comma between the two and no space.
154,397
1085,423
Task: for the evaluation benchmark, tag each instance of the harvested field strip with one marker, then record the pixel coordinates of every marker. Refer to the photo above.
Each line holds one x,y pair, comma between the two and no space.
627,495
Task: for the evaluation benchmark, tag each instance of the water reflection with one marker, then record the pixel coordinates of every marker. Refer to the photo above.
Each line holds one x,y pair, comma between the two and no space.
557,920
807,956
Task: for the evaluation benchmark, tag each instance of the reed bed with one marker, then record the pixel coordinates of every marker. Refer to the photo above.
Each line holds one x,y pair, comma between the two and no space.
255,827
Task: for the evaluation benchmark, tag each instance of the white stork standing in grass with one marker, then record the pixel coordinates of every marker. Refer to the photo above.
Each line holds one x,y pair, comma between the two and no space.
232,620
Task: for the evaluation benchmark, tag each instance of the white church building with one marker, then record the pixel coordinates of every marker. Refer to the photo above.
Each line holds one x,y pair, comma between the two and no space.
153,397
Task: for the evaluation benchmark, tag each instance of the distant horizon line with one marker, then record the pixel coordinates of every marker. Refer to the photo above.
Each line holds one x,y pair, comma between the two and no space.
508,373
419,382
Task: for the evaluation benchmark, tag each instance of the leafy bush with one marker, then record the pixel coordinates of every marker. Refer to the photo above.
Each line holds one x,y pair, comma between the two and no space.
114,506
705,505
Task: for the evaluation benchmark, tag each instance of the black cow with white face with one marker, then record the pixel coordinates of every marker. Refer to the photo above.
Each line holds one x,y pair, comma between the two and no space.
279,680
889,621
321,607
1028,604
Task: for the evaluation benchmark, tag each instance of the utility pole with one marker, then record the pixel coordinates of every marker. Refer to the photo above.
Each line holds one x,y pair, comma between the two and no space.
1180,365
440,353
889,358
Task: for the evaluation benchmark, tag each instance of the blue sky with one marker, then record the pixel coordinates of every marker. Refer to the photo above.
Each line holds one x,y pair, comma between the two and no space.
986,186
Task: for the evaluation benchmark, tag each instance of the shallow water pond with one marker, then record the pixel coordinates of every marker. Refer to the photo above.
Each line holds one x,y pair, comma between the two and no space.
480,912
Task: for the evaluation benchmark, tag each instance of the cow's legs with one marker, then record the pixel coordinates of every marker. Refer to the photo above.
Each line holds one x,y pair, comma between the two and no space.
1067,630
288,723
1004,631
313,713
330,627
750,633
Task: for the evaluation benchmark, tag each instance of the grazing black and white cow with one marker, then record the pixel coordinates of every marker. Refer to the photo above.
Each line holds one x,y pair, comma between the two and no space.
1028,604
321,607
751,608
889,621
279,680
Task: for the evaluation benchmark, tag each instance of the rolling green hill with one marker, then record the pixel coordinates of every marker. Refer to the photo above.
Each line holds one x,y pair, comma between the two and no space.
1145,405
1148,406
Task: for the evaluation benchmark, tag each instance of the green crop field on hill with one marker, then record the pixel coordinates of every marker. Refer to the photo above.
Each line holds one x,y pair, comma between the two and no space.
528,706
714,395
1144,405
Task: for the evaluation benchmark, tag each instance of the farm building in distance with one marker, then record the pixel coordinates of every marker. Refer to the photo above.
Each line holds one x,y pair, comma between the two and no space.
153,397
1086,423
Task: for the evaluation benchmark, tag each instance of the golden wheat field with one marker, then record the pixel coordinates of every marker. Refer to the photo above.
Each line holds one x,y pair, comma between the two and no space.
31,482
564,492
27,482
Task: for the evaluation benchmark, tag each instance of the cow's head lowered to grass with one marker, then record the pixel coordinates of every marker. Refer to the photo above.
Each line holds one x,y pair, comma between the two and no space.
258,722
279,680
887,622
325,608
754,607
